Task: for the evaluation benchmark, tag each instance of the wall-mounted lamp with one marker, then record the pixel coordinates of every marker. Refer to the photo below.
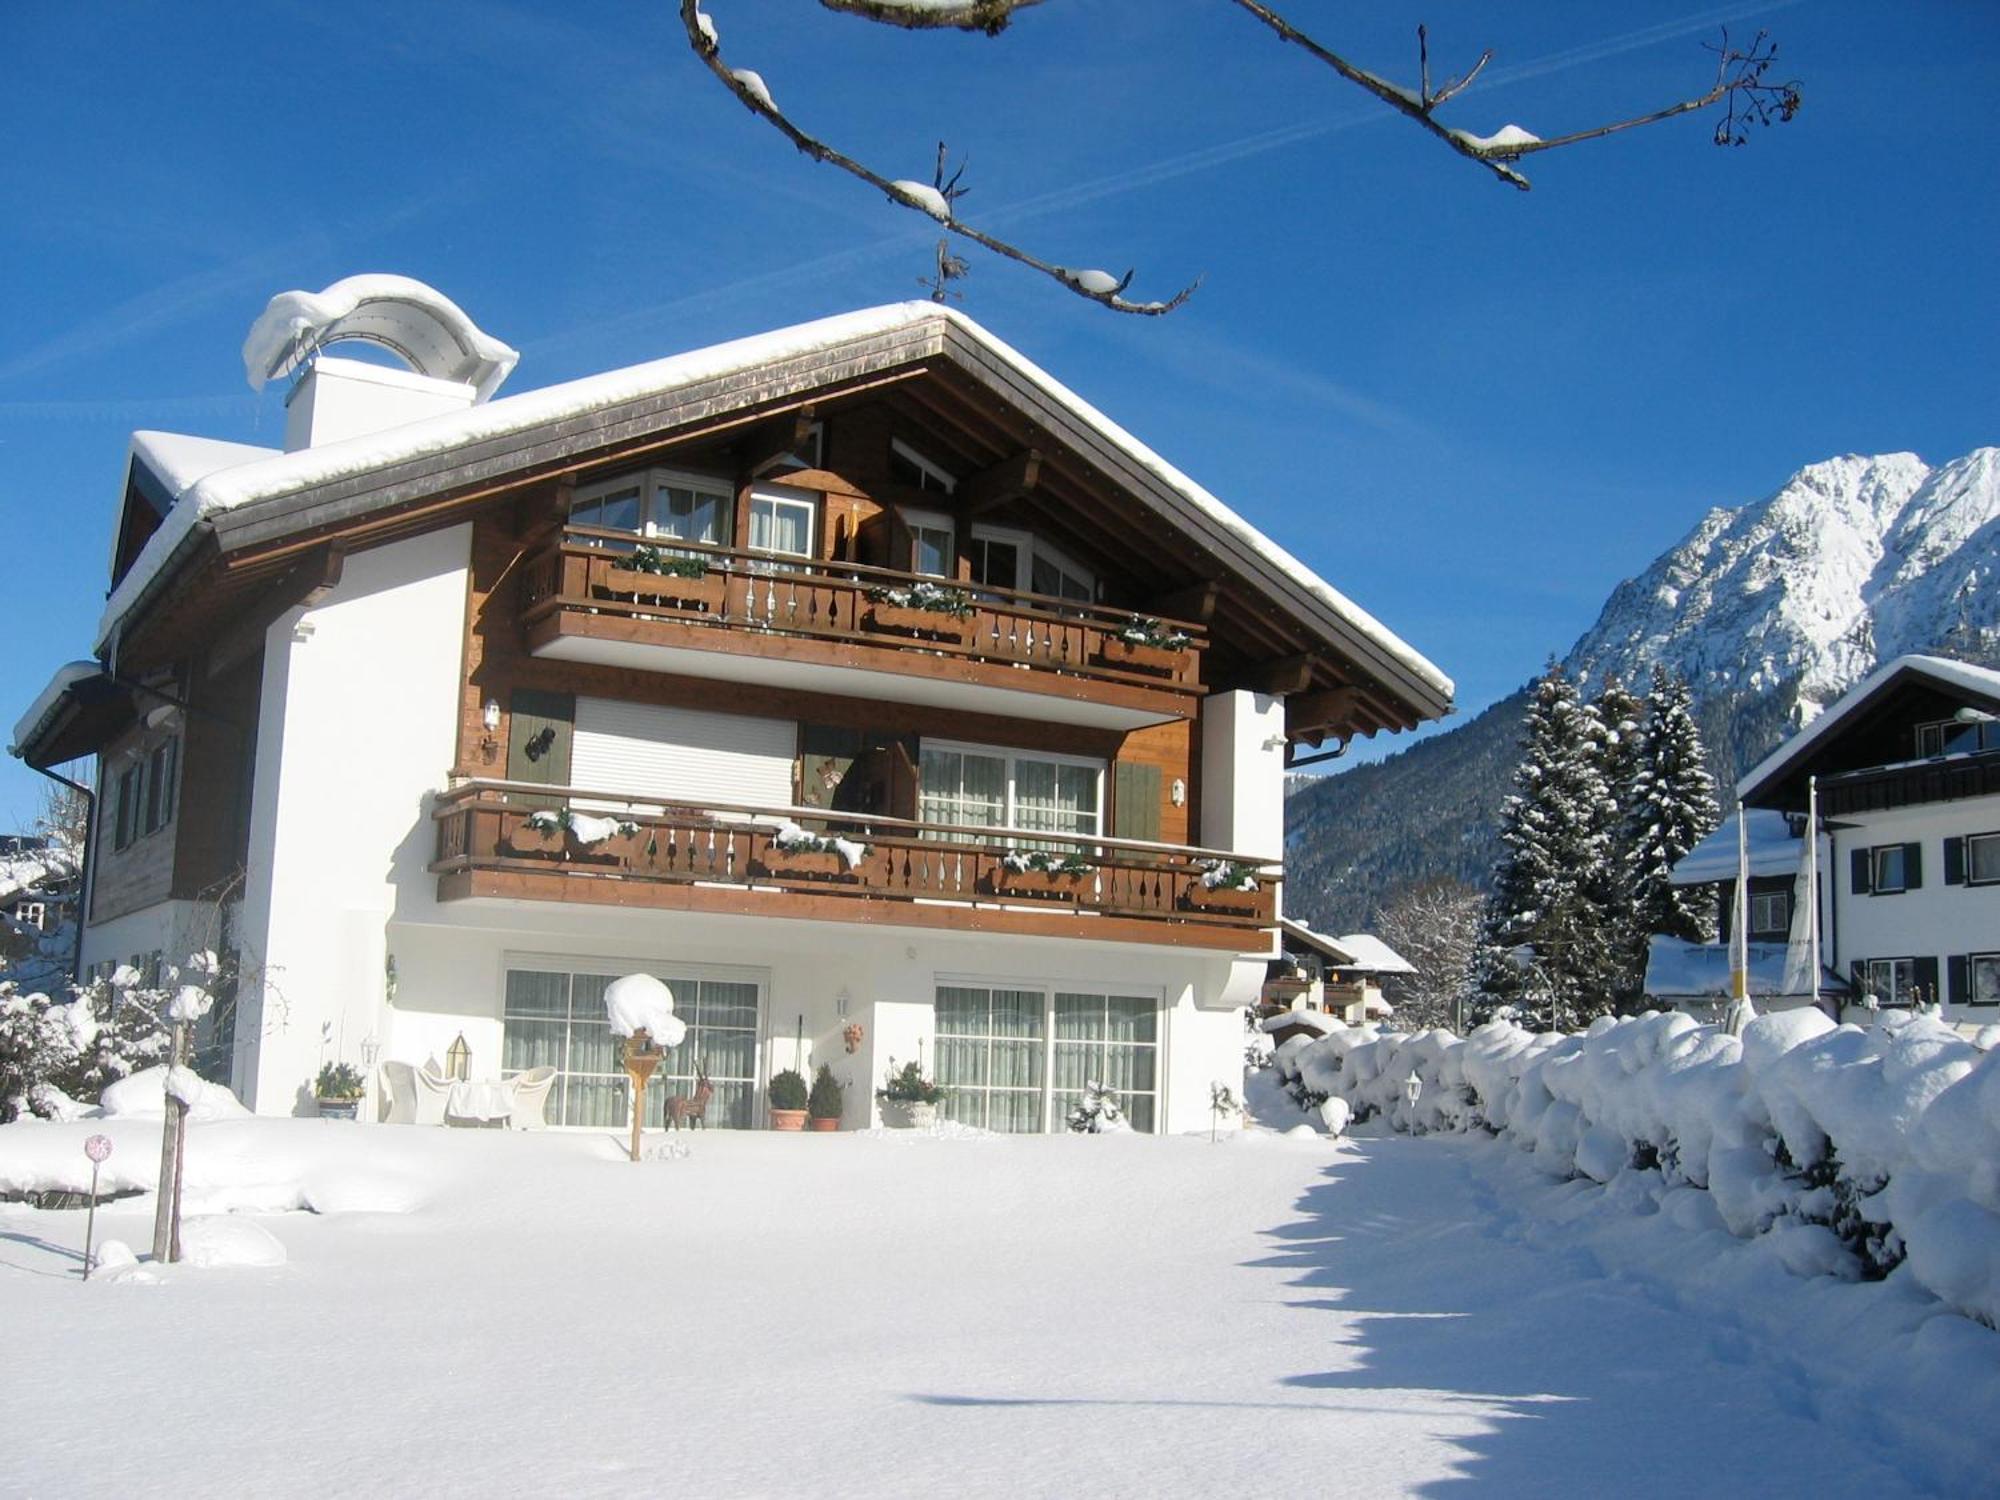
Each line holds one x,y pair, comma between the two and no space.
1178,792
489,744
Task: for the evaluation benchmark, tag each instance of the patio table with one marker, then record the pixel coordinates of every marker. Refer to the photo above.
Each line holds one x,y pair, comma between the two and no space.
486,1101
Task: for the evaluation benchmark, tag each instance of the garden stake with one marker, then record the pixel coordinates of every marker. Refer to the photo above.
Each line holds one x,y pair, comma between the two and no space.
97,1148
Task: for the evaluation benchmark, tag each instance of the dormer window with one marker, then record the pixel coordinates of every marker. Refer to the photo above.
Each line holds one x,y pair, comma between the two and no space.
658,503
907,466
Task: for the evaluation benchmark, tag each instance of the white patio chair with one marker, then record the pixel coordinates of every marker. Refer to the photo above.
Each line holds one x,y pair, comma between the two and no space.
399,1088
424,1088
531,1097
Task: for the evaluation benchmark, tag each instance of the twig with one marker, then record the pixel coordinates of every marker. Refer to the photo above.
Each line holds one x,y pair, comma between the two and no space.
989,16
750,88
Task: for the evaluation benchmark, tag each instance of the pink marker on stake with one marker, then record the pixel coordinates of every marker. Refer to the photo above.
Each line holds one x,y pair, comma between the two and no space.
98,1149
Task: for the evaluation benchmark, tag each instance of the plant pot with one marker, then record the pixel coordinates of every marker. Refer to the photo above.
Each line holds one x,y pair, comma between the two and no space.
1046,885
1116,651
339,1109
704,592
909,1114
525,838
902,620
802,864
829,1123
1222,898
788,1119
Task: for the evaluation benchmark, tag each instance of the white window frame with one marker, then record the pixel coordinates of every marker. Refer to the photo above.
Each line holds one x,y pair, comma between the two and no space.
1027,547
1988,839
650,483
933,520
1889,993
780,496
931,476
1063,562
1765,898
1877,858
1048,989
1011,756
1973,962
33,914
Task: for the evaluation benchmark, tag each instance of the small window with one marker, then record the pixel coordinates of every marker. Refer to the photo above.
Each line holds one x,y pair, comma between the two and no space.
32,914
657,503
1958,736
1984,973
782,523
126,811
1893,981
933,549
907,466
1889,872
996,561
1057,577
1982,859
1771,912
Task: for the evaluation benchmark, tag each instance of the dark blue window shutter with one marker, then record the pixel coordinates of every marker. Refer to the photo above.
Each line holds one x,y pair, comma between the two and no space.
1913,880
1927,979
1954,861
1858,865
1955,978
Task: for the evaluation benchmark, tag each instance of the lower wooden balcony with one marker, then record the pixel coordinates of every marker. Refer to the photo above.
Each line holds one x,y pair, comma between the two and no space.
900,636
512,841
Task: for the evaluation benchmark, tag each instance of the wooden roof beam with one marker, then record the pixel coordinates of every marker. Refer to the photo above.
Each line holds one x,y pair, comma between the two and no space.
1010,479
1314,716
1286,675
1194,604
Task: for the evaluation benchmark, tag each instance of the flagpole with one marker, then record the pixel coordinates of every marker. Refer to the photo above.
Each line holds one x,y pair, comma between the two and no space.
1739,946
1812,881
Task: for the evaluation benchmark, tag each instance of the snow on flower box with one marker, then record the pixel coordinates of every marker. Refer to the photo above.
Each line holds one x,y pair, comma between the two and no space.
1225,886
1044,876
1146,646
794,854
927,609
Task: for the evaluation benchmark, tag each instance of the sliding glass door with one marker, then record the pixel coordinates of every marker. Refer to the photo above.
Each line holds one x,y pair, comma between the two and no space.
1016,1057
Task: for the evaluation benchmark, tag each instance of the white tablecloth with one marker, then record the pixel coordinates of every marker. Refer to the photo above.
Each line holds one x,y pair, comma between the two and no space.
480,1101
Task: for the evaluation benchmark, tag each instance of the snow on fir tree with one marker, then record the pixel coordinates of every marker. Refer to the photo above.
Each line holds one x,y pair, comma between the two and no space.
1097,1112
1549,885
1673,809
1622,718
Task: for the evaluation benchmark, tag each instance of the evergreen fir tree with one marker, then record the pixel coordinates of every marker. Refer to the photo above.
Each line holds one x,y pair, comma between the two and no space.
1550,883
1673,807
1623,717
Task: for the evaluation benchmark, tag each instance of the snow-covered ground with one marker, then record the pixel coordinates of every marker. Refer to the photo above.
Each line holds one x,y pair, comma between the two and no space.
471,1313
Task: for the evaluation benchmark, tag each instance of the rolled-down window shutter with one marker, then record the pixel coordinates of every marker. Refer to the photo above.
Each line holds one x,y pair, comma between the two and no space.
684,756
1860,867
1913,880
1136,802
1954,861
1955,979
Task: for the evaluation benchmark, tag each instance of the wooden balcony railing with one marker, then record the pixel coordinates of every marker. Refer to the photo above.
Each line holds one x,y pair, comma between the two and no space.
591,570
501,838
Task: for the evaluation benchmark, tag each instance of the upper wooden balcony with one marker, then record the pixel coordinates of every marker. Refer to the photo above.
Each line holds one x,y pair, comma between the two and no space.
512,840
755,617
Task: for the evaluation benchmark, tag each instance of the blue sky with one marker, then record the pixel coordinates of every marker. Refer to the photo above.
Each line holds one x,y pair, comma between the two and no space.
1473,409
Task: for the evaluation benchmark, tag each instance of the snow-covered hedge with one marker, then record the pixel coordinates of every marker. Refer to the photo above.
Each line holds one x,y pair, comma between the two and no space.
1861,1149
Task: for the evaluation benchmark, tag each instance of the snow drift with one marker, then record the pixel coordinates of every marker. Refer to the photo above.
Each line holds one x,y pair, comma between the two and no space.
1862,1152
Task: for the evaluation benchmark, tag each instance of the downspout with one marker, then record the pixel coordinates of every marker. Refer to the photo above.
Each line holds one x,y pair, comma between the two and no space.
83,874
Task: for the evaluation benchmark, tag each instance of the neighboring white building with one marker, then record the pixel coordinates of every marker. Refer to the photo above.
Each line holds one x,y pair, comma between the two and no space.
1908,772
458,707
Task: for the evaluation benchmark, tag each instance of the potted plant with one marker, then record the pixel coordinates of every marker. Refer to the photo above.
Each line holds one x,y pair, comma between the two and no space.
1041,873
656,575
923,608
1147,645
793,852
823,1105
338,1089
909,1100
788,1100
1225,885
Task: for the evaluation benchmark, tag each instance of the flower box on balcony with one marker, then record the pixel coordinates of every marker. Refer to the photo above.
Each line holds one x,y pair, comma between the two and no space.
1140,656
902,619
705,592
1222,898
1045,885
802,864
531,837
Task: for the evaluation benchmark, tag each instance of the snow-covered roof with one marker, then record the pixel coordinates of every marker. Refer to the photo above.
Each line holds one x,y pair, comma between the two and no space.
1976,682
64,678
270,478
1678,969
419,324
179,461
1773,850
1371,953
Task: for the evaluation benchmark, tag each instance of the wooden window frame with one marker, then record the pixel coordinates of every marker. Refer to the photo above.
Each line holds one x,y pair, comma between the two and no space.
932,520
1982,839
932,477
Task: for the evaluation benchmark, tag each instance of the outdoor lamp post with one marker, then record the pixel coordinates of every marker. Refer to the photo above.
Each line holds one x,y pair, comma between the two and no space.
642,1060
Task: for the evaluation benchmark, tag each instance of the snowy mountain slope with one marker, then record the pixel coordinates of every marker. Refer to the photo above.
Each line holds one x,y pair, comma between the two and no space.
1771,610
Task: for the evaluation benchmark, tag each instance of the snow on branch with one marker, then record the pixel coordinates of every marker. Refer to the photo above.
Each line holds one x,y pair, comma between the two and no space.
1740,83
989,16
935,201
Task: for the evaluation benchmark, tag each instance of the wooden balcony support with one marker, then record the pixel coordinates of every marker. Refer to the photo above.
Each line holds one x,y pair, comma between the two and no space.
497,839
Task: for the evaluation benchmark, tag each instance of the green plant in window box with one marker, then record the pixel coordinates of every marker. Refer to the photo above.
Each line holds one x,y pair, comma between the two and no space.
1144,630
666,564
789,1096
930,598
1046,863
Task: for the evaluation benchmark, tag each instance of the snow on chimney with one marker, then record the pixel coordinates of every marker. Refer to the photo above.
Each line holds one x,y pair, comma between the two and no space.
450,363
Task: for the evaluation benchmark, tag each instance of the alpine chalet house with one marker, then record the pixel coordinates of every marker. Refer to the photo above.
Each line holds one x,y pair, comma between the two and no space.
1907,766
856,679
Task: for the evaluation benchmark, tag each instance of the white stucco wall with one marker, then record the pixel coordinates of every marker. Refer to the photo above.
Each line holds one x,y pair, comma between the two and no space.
450,980
357,725
1935,921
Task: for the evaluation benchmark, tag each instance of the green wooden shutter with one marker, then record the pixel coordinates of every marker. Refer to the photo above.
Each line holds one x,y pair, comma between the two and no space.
540,735
1135,802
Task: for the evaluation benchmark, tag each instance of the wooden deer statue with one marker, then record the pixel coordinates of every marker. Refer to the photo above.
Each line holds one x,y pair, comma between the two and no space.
691,1106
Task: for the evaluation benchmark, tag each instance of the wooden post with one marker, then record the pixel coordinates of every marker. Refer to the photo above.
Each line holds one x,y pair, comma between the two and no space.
642,1058
167,1210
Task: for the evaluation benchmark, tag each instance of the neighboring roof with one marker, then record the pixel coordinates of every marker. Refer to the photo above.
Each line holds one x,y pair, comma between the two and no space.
1701,971
1774,850
1357,950
268,496
418,323
60,686
1974,682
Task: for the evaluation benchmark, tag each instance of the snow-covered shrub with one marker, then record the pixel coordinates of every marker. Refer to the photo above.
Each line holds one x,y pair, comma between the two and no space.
1097,1112
55,1052
1853,1150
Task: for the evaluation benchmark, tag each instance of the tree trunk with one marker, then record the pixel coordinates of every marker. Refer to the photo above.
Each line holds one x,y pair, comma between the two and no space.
167,1210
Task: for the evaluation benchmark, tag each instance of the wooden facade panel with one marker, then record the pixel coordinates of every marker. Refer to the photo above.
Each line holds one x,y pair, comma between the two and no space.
141,874
218,752
1164,748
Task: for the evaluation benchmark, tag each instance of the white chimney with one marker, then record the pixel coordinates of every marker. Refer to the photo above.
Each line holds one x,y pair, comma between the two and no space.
344,398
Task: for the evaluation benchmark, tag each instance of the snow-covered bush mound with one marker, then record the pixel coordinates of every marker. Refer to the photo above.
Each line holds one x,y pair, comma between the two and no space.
143,1096
1857,1151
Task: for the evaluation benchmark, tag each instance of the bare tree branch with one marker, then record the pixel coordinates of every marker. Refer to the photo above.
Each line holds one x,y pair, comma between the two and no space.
989,16
748,86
